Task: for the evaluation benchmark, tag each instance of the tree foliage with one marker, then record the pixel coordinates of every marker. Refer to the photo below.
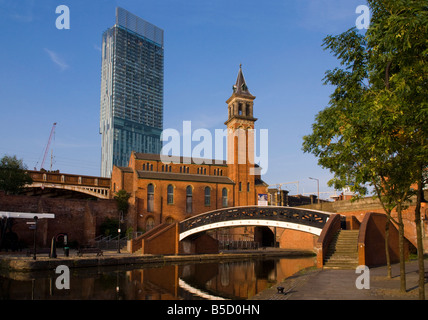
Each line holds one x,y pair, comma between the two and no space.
375,130
12,175
122,198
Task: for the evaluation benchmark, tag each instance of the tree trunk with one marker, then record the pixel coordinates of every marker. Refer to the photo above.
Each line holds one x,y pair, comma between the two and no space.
401,249
420,242
388,256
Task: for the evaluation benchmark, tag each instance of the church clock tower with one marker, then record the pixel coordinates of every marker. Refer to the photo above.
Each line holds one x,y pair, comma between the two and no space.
240,142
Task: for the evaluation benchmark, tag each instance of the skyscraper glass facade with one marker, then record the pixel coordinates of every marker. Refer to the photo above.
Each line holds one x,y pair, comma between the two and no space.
131,115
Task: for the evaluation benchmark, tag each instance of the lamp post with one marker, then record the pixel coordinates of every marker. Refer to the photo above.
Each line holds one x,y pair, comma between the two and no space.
118,231
318,187
35,232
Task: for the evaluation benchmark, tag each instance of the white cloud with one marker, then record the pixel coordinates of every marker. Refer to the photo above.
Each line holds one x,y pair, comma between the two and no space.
20,11
57,59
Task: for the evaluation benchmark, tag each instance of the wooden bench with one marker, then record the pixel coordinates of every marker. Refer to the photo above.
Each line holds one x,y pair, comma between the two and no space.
38,251
81,251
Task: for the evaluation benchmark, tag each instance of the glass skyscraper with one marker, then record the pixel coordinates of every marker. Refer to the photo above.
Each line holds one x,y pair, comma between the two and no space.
131,115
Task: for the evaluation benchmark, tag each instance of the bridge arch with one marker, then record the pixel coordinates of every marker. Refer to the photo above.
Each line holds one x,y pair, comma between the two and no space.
305,220
98,192
69,184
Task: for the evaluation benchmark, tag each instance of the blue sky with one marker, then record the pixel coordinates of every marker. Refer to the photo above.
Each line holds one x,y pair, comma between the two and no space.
49,75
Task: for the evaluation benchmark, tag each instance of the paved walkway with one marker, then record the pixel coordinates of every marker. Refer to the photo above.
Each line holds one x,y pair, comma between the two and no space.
334,284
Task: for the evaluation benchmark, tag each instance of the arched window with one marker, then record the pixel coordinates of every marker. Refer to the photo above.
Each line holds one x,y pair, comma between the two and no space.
197,171
150,197
169,220
189,199
150,223
224,197
170,194
207,196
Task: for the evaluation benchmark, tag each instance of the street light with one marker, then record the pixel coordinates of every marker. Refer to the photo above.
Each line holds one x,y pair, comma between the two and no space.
118,231
35,232
318,187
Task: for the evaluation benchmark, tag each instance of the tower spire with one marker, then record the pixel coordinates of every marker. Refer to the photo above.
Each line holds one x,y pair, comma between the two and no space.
240,104
240,141
240,86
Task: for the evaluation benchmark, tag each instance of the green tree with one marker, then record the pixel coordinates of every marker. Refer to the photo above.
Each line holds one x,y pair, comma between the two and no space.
122,198
13,176
374,131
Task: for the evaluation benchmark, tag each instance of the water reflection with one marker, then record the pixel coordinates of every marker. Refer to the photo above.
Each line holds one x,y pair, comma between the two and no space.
214,280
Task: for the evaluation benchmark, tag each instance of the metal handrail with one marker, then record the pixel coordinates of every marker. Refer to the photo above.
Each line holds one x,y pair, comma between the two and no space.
286,214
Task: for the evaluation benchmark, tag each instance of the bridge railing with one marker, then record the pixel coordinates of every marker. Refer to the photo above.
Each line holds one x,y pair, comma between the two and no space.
238,245
285,214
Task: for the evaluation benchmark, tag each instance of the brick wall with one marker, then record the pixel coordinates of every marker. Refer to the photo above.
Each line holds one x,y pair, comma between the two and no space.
371,241
292,239
80,219
359,208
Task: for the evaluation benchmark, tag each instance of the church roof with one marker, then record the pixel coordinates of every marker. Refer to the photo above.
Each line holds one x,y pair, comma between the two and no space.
154,175
183,160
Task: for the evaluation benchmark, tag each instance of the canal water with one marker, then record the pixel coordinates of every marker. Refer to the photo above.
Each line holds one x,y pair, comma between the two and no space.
222,280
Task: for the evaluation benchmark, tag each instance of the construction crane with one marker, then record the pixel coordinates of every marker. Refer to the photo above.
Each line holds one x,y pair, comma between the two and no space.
47,146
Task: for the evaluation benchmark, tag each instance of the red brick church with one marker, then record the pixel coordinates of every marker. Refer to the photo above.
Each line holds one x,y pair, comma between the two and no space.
169,192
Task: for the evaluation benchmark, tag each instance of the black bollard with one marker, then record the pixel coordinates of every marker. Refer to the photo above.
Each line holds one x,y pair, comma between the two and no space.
66,251
53,248
66,247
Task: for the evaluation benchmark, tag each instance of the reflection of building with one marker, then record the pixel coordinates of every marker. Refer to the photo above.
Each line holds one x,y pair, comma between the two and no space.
131,116
166,192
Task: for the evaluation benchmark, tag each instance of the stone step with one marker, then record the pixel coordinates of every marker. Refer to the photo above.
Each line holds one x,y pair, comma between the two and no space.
334,250
343,254
343,257
343,251
340,266
349,236
346,245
